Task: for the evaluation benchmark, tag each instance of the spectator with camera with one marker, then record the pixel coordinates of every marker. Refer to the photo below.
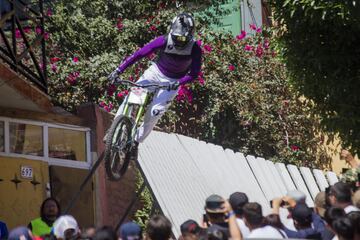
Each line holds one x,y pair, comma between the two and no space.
221,216
302,217
307,223
237,201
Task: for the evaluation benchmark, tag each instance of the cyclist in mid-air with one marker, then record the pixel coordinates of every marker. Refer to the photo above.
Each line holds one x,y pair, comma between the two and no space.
178,62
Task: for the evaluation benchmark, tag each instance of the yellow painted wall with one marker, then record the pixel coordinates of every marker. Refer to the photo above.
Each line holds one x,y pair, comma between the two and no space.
333,149
19,205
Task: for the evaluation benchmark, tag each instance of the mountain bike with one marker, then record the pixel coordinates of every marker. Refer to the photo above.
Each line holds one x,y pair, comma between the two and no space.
119,142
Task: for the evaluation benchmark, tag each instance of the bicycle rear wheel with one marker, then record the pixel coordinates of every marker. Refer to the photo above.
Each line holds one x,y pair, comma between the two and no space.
117,148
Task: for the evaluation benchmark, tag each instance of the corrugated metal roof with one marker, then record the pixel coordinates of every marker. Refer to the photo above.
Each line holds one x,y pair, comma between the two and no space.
182,172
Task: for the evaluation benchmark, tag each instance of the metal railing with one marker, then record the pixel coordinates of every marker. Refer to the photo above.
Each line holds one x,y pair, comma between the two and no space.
22,39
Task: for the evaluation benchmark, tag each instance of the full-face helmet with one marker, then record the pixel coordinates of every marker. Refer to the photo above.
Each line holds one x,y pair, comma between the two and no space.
182,29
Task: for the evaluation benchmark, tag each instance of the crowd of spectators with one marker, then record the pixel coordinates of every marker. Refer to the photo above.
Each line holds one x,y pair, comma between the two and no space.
335,216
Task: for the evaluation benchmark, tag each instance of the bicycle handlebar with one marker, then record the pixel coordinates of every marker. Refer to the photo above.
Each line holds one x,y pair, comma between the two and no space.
126,82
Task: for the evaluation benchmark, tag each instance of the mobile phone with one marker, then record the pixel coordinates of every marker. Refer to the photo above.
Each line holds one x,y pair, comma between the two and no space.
206,219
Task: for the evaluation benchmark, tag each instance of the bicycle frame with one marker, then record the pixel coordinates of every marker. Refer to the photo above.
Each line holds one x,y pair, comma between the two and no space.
137,98
139,114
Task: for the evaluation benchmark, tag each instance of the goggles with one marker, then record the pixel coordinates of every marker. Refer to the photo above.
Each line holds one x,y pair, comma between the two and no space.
180,38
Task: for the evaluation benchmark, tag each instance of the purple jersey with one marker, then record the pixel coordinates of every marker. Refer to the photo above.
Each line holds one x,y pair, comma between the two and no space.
183,67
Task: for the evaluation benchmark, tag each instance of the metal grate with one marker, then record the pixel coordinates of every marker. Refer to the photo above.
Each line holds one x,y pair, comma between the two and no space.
22,39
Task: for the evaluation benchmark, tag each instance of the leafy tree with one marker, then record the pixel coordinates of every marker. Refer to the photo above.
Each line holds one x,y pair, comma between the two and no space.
319,41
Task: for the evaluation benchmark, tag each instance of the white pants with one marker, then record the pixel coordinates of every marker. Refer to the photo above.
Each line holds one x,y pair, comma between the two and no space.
160,103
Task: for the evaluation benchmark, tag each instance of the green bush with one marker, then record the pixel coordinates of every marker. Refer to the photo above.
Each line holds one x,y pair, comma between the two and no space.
319,42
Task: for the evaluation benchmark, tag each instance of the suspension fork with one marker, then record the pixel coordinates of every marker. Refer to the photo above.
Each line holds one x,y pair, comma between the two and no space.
139,114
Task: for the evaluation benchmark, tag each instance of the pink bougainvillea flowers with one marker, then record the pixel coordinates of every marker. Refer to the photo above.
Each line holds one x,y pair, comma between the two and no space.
266,43
122,94
248,47
199,42
27,29
241,36
294,148
49,12
184,94
201,80
17,33
259,51
231,68
72,77
54,59
152,28
102,104
46,36
119,24
54,67
111,89
253,27
38,30
207,48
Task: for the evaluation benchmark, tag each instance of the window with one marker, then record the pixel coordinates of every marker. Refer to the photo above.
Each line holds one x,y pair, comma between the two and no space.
26,139
2,135
67,144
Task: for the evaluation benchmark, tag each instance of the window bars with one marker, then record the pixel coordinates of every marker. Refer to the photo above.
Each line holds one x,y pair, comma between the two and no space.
22,39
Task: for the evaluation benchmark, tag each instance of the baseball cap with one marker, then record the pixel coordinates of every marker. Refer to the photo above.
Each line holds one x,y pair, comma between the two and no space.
297,195
302,213
63,224
320,203
190,226
214,204
130,231
18,233
237,200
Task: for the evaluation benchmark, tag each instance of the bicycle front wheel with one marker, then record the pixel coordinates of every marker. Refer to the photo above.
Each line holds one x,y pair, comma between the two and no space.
117,148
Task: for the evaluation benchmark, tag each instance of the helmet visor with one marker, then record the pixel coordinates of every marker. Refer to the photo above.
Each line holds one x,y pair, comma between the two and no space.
179,41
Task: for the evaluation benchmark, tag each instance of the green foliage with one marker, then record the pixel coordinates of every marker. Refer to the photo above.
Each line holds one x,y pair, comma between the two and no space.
142,215
319,41
100,34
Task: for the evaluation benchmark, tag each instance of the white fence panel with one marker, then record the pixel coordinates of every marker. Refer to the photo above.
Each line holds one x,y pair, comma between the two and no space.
300,184
332,177
320,179
285,176
310,181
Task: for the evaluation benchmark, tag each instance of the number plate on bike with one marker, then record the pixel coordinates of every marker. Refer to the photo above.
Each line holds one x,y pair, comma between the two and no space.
137,96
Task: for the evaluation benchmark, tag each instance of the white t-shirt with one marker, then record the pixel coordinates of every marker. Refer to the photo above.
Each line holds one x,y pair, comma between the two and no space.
351,208
245,231
267,232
